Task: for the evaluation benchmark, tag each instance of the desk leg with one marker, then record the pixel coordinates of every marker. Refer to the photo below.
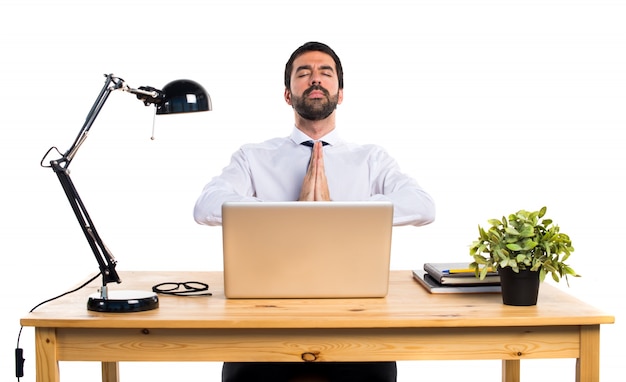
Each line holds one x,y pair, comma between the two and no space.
510,371
110,372
588,363
47,364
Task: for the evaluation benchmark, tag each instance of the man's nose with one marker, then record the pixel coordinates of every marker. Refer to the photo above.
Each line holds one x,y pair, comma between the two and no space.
316,79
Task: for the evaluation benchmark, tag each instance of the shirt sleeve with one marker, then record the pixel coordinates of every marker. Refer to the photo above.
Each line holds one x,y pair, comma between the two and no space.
233,185
411,204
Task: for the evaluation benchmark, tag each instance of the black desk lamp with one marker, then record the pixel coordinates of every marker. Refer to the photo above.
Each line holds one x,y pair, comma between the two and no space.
180,96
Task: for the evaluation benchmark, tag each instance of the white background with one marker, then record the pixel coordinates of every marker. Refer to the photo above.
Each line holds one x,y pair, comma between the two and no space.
494,106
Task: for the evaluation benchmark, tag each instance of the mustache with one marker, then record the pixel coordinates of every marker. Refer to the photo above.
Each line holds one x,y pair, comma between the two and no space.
314,88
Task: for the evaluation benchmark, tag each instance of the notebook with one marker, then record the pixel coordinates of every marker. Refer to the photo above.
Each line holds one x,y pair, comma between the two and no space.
458,273
432,286
306,249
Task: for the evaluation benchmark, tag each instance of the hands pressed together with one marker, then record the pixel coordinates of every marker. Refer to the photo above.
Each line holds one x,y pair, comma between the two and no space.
315,185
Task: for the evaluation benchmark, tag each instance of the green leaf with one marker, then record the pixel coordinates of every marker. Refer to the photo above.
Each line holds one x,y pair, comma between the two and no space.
514,247
494,222
511,231
483,273
527,231
529,244
542,211
483,235
555,276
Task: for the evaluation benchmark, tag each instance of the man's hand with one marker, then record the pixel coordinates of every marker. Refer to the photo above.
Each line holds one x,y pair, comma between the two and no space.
315,186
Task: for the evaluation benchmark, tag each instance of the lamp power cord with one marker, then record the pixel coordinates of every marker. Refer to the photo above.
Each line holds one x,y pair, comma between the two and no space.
19,352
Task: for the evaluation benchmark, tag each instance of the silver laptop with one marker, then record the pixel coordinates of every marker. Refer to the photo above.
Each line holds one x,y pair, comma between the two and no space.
306,249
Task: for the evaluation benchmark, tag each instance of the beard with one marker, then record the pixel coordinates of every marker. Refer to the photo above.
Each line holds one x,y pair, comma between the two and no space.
315,109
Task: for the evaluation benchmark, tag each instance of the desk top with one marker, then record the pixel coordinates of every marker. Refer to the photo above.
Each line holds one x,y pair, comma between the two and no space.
407,305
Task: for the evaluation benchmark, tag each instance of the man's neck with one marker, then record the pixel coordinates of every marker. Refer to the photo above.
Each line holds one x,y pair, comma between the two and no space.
316,129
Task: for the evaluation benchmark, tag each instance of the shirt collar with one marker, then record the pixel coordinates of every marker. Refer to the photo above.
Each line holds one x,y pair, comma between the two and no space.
331,138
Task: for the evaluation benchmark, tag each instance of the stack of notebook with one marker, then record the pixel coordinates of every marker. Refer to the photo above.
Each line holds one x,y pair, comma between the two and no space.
455,278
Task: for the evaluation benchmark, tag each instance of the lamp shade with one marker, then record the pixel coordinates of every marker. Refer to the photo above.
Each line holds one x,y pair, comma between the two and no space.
184,96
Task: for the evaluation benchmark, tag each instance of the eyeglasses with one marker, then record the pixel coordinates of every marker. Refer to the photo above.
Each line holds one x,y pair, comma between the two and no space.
189,288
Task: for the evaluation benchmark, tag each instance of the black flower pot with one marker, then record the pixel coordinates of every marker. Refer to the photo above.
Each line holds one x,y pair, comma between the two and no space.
520,289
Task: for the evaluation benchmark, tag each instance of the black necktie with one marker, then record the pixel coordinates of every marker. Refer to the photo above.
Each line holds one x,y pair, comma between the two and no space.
310,143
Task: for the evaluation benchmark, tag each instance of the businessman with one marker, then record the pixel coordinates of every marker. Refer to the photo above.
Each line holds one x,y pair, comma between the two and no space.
314,163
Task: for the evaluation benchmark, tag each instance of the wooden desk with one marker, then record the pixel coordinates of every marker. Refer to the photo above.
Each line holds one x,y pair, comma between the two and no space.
409,324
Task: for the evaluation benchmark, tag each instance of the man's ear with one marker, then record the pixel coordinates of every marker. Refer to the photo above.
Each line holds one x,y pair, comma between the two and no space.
288,96
339,96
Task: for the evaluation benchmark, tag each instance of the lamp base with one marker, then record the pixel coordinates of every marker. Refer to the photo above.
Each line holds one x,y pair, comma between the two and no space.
124,301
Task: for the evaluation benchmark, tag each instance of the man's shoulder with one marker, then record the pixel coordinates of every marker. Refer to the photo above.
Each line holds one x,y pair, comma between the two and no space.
367,147
269,144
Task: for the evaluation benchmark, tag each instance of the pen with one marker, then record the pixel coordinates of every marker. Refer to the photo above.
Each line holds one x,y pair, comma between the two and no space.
462,270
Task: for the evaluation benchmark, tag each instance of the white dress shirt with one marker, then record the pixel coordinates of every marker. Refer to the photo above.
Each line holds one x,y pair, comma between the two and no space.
274,170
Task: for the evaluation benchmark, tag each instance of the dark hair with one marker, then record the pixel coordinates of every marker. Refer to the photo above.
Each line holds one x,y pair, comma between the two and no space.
313,47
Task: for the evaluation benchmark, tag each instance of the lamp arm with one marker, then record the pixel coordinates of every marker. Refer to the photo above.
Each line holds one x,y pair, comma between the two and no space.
148,95
112,83
105,259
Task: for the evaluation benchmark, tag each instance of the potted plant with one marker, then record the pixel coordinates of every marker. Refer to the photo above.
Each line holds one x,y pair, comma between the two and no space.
524,247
